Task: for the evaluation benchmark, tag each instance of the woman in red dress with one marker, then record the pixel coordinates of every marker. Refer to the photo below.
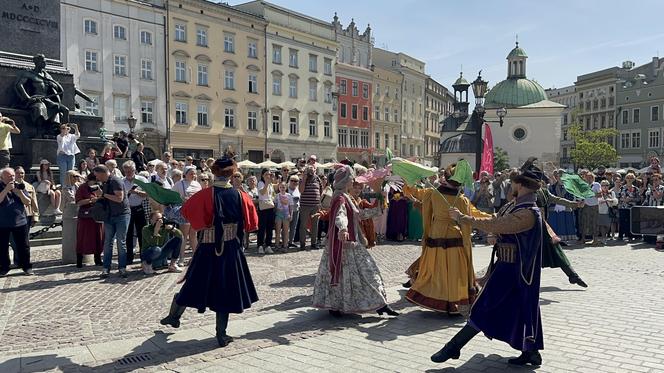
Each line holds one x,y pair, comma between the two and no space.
89,233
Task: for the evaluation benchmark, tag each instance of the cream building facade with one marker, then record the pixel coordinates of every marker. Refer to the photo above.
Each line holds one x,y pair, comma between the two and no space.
387,109
438,105
115,50
216,75
412,99
301,53
565,96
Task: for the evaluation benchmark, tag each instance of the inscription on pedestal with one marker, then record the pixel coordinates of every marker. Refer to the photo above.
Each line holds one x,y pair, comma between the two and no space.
30,27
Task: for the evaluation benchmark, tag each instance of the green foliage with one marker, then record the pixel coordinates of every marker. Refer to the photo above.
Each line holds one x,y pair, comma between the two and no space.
591,148
500,159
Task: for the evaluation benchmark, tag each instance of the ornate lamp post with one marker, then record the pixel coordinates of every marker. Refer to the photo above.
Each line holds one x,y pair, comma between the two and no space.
477,121
131,121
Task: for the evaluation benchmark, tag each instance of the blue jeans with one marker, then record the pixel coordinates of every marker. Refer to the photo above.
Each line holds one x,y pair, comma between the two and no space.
65,163
116,227
159,254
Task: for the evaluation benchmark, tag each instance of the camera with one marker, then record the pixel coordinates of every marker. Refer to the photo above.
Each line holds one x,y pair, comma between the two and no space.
168,222
19,186
94,188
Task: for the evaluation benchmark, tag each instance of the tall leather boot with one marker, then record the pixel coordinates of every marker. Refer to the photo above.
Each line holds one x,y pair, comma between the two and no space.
452,349
572,276
527,357
174,314
79,261
222,322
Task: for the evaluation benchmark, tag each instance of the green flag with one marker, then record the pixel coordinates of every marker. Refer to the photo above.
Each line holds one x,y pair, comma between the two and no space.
410,171
388,154
463,173
160,194
576,186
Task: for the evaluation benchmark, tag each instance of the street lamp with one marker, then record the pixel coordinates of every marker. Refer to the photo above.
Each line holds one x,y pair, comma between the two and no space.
131,121
477,121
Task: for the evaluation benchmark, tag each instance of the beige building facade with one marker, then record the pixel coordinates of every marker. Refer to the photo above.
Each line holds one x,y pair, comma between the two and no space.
387,109
216,74
412,99
301,53
438,105
565,96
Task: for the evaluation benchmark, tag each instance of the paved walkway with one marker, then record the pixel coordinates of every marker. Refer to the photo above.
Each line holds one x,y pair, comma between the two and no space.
69,320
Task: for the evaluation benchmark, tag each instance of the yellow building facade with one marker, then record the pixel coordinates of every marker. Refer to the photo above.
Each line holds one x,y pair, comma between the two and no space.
216,80
386,112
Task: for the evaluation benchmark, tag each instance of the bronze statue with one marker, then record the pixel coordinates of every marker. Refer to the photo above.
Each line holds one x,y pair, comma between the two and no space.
39,93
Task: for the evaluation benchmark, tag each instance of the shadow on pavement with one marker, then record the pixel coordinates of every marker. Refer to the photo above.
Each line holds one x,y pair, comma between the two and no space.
479,362
299,281
548,289
32,364
292,303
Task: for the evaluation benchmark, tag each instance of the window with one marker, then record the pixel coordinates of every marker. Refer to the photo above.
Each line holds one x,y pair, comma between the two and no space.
313,90
411,150
229,117
624,140
327,128
276,123
654,113
636,139
276,85
364,139
396,141
365,90
365,113
377,141
202,74
377,92
252,48
276,54
353,138
146,69
180,71
342,109
147,111
181,109
92,107
203,115
327,66
292,121
313,127
229,79
328,93
252,121
387,140
377,113
146,37
120,65
564,135
353,112
343,89
90,27
396,116
343,137
119,32
602,122
292,58
120,104
625,117
653,138
611,101
313,63
201,37
229,43
253,83
354,88
387,114
292,87
91,59
180,32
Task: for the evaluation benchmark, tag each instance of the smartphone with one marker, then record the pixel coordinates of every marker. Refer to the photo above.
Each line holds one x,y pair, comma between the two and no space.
647,220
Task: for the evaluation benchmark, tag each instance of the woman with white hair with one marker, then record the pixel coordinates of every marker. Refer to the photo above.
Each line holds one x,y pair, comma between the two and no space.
348,279
112,165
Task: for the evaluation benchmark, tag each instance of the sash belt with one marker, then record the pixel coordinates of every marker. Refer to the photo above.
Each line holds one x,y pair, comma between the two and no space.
444,242
506,252
230,233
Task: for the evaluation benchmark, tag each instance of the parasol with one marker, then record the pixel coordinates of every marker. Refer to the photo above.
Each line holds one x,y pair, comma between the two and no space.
267,164
247,164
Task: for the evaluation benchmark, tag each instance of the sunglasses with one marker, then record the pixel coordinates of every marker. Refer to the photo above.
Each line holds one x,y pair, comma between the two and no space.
237,176
205,179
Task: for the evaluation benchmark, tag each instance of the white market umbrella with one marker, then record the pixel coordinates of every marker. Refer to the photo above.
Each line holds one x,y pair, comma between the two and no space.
267,164
247,164
288,164
327,165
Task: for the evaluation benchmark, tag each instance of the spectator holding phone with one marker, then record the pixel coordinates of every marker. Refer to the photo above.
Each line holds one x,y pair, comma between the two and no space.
13,221
7,127
136,197
161,240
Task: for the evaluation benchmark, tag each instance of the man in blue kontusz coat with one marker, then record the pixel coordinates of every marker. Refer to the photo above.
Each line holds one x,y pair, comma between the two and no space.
507,308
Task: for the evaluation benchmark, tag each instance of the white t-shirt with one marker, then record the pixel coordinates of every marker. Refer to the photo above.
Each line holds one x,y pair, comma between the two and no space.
67,144
187,189
593,201
267,196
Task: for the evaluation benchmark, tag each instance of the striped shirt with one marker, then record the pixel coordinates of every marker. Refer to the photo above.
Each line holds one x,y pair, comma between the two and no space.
311,195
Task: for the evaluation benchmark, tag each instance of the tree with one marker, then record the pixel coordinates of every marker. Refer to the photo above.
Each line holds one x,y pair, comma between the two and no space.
592,148
501,160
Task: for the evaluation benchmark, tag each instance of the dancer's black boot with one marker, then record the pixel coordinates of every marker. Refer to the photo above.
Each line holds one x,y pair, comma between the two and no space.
176,311
573,276
527,357
79,261
452,349
222,322
388,310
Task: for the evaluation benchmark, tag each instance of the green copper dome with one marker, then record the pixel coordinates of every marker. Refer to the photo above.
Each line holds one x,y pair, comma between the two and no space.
461,80
517,52
514,93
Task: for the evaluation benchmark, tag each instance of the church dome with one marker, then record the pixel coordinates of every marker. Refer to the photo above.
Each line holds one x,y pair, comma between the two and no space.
515,92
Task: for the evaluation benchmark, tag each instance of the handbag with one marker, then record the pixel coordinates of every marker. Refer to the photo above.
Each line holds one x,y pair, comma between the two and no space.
100,211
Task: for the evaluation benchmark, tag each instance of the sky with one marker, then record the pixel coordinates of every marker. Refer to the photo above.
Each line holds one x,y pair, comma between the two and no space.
563,38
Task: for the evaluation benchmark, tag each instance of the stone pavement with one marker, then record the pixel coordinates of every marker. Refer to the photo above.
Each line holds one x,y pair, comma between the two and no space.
66,319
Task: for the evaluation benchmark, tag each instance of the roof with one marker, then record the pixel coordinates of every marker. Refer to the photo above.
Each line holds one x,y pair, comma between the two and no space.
515,92
461,80
461,143
517,52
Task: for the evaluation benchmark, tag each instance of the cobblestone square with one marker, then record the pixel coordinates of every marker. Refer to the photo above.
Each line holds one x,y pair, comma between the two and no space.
69,320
